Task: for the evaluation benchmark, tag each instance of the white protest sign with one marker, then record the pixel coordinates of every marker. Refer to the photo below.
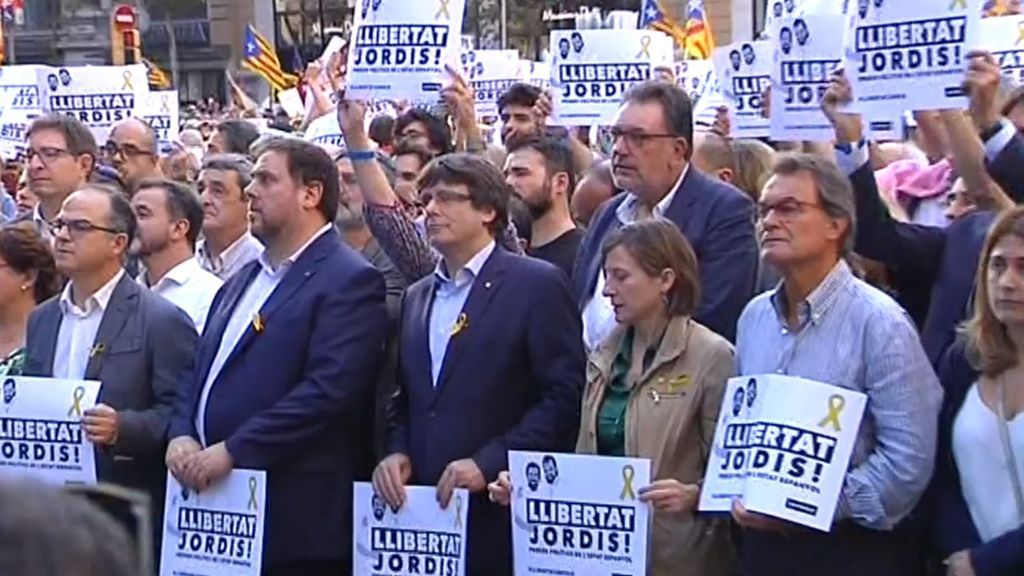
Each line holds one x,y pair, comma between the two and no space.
693,75
744,72
325,131
491,72
807,50
420,538
20,103
909,55
578,515
291,101
782,446
780,9
400,48
536,73
99,96
161,110
1004,38
216,532
41,431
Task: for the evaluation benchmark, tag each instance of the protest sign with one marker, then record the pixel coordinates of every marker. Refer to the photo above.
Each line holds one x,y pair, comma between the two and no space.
99,96
490,72
20,103
400,48
420,538
744,72
782,446
578,515
777,10
807,50
41,431
325,130
216,532
1004,38
161,110
693,75
707,102
909,55
536,73
593,69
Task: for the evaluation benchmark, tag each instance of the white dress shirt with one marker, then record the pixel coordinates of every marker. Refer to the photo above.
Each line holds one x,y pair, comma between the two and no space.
235,257
252,300
598,314
188,287
76,338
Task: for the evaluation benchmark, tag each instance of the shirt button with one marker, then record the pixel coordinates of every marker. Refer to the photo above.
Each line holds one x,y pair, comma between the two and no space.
432,414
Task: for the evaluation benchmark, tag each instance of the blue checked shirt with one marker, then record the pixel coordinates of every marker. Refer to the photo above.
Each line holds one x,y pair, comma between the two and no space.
853,335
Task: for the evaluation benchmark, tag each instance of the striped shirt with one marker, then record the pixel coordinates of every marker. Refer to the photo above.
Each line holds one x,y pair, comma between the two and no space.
854,336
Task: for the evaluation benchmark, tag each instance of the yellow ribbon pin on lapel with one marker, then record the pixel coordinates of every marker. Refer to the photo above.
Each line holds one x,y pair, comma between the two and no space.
127,76
76,402
257,323
645,47
461,324
836,403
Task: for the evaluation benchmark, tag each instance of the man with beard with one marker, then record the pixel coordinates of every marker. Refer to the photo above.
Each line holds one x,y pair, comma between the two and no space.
169,219
539,170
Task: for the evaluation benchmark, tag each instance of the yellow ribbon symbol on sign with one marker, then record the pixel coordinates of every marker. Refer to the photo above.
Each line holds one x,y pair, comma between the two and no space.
962,4
76,402
836,403
627,483
252,493
645,47
442,9
1020,33
458,512
127,75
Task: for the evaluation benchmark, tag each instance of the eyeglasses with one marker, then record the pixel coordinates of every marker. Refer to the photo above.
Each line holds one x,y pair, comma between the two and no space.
786,210
634,138
112,149
46,153
79,228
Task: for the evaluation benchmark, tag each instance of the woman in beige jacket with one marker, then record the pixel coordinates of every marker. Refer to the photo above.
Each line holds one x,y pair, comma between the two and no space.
654,388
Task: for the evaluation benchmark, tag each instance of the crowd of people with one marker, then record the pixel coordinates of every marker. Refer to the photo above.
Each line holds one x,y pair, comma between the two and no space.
409,308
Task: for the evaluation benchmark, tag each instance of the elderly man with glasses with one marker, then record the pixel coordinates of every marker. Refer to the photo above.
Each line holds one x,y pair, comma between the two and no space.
132,150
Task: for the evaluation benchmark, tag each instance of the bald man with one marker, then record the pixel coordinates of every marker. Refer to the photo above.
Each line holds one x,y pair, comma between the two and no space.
713,155
132,150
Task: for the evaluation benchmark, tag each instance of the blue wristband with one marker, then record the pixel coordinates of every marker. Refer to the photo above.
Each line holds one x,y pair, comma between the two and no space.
361,155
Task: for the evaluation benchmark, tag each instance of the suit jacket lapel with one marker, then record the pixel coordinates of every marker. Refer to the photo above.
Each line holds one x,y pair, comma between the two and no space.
119,308
218,323
49,328
480,295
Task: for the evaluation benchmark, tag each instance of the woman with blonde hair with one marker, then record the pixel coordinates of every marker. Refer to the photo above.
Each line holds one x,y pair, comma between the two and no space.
654,389
977,493
754,160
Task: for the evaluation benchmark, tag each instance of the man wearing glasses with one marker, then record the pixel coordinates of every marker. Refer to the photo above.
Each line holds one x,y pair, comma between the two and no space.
59,159
106,327
132,150
653,142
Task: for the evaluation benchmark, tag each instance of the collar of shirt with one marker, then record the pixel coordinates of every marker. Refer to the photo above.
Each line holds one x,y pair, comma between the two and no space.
467,273
820,300
97,301
178,275
626,212
273,271
218,261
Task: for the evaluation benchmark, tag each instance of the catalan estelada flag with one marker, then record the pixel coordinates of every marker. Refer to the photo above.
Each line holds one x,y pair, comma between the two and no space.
260,57
157,77
695,37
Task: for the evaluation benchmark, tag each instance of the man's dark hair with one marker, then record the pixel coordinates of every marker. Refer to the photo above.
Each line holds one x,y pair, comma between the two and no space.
438,134
182,204
77,136
308,163
237,163
485,184
556,153
406,149
675,104
238,135
122,217
518,94
382,130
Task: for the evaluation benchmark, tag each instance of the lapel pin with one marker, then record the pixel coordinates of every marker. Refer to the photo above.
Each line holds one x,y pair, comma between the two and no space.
487,285
257,323
461,324
97,350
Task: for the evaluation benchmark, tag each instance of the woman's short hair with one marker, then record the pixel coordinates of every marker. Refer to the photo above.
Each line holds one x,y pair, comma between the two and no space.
657,245
25,252
987,344
754,161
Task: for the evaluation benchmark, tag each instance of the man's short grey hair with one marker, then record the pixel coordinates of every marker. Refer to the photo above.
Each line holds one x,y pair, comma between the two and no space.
237,163
834,189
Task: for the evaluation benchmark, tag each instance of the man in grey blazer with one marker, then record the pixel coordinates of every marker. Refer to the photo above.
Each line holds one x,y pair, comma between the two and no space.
105,327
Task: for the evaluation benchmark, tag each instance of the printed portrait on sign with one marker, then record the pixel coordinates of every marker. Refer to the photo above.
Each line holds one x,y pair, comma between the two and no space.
777,9
751,392
563,48
790,6
748,54
52,82
577,42
734,59
10,390
786,40
862,8
379,507
550,469
65,77
737,401
533,476
802,32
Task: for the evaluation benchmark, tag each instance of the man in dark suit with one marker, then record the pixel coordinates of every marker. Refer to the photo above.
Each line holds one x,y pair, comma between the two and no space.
105,327
283,379
653,133
490,359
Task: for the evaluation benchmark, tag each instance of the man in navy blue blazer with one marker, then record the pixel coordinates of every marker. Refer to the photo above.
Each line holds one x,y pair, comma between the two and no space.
283,379
490,359
653,133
